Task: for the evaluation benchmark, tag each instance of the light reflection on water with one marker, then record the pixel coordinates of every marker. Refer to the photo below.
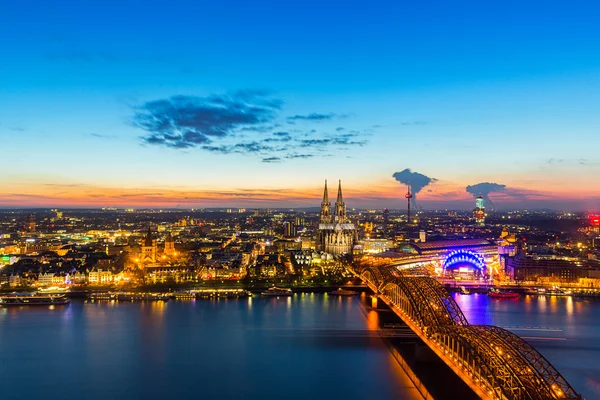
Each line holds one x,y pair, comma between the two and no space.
223,349
574,350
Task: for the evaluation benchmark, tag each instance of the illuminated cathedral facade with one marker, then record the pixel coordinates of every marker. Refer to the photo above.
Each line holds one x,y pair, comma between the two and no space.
337,234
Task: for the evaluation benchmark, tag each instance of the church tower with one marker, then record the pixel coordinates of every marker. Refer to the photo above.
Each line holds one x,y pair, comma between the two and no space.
169,245
336,234
325,207
340,207
149,249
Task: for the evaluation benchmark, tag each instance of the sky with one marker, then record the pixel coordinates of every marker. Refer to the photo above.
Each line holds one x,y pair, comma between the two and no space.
254,104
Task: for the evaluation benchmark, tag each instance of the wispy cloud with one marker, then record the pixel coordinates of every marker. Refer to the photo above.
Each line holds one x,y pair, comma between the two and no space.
312,117
271,159
242,122
101,136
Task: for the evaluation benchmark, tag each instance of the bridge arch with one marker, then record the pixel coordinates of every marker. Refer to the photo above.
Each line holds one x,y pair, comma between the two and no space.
494,362
464,261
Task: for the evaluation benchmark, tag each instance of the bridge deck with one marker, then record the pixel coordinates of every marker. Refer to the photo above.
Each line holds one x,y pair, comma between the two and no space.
493,362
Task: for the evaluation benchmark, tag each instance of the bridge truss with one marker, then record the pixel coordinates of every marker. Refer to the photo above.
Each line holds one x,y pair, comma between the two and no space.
494,362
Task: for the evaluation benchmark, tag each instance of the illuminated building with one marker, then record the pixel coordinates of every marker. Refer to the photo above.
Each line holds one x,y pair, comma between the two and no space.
31,223
386,219
337,235
479,211
289,229
148,255
169,245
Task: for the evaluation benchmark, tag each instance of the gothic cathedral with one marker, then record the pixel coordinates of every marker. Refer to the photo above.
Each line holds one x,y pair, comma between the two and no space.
337,234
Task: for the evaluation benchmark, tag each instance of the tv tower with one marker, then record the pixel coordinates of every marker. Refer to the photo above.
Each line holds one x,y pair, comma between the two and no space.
408,196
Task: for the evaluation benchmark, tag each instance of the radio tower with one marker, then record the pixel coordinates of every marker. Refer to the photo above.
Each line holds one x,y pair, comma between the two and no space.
408,196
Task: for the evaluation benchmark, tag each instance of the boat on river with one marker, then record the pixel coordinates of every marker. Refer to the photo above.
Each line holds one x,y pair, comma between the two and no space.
502,294
276,292
34,300
464,290
129,296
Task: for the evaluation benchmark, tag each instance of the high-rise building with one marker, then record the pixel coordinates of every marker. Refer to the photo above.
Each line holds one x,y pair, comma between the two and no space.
337,234
386,219
31,223
479,211
289,229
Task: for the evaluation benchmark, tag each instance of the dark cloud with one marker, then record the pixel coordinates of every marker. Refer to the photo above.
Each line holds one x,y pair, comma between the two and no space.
271,159
243,122
484,189
292,156
312,117
416,180
188,121
281,137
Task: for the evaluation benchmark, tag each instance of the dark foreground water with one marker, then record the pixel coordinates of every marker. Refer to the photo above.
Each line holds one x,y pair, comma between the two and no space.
565,330
309,346
259,348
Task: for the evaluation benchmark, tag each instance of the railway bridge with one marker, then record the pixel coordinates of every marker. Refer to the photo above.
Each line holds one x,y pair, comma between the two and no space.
493,362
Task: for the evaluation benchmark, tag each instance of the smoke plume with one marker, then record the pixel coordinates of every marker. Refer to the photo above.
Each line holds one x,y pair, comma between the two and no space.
417,181
484,189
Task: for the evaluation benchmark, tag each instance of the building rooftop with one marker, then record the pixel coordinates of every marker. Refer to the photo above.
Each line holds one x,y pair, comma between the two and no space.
450,244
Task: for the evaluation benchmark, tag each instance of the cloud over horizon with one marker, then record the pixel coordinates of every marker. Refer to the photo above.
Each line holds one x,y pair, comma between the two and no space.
484,189
416,180
242,122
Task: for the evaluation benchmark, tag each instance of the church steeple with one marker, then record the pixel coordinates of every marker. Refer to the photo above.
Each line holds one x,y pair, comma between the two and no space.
325,207
340,207
148,241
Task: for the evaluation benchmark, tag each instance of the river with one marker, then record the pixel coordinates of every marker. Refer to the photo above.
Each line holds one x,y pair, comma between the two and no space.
301,347
258,348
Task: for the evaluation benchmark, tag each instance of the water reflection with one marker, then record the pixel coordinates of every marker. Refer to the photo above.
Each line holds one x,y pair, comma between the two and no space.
565,330
569,306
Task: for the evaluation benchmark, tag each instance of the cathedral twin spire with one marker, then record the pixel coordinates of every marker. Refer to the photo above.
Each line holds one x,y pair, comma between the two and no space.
339,216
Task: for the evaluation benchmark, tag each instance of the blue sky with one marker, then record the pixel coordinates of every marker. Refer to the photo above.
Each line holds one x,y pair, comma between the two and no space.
464,92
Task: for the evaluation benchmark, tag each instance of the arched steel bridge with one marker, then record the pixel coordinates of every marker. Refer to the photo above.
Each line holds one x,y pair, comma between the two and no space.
494,362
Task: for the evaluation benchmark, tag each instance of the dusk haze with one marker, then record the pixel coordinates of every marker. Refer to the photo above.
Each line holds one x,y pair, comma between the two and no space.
272,98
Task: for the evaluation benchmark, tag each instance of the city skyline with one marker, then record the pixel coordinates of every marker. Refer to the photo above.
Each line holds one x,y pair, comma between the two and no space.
256,105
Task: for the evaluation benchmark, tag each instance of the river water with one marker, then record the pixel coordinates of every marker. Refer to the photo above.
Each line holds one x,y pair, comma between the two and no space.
258,348
309,346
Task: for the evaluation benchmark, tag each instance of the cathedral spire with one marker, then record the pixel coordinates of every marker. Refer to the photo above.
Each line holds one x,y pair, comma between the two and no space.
340,207
325,207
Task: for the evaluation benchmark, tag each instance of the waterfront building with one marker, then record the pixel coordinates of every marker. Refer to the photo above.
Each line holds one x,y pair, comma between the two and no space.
45,279
538,268
337,234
